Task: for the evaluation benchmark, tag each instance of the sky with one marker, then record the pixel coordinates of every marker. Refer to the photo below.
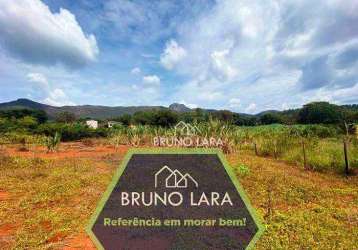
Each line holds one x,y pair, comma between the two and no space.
242,55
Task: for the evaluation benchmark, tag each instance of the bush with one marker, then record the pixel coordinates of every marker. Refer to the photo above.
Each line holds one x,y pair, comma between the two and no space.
243,170
320,113
70,132
65,117
320,131
53,142
39,115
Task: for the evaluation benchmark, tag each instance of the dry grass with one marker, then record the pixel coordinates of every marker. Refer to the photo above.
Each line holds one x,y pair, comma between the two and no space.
45,203
309,210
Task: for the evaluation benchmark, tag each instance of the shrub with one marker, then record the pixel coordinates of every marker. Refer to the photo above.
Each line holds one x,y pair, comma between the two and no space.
243,170
70,132
53,142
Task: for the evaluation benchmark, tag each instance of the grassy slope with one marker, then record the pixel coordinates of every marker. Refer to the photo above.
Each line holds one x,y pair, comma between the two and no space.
48,202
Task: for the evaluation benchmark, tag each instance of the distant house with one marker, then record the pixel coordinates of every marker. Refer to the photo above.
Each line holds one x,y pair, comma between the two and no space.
92,124
110,124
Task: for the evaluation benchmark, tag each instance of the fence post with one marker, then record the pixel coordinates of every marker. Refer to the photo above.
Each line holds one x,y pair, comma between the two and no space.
256,153
304,155
345,146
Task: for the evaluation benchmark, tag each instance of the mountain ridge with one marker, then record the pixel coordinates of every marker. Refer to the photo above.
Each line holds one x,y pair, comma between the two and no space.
88,111
81,111
93,111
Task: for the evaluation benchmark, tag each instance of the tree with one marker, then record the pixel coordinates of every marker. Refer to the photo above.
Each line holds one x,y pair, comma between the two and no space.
165,118
186,117
143,117
224,115
65,117
244,120
270,118
27,122
350,116
40,115
125,119
199,115
320,112
12,114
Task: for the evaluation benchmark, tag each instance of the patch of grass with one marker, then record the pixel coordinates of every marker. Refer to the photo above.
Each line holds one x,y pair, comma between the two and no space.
50,199
242,170
323,155
309,210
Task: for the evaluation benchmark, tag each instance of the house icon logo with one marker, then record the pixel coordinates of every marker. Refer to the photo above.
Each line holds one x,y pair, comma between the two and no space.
173,178
183,128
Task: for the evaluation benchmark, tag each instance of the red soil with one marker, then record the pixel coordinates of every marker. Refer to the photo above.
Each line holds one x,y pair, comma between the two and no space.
81,241
7,232
4,195
6,229
67,150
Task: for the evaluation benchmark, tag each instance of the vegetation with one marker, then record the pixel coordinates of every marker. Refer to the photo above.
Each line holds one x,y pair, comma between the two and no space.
316,143
320,113
323,145
53,142
70,131
39,115
66,117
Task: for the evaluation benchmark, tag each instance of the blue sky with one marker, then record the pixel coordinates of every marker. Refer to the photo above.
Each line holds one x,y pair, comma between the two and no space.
246,56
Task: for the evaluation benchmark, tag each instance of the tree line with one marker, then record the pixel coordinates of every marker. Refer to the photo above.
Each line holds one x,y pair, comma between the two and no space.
311,113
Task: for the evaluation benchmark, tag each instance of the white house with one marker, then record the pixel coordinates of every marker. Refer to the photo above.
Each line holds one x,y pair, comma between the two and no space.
92,124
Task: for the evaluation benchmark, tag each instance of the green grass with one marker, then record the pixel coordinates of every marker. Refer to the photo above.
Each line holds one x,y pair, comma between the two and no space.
322,155
324,144
309,210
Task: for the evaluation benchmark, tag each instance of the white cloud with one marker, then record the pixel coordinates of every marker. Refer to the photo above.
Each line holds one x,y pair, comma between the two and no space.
189,105
275,54
210,95
57,94
51,95
234,103
136,71
172,54
151,80
30,31
38,78
57,97
251,108
221,64
266,53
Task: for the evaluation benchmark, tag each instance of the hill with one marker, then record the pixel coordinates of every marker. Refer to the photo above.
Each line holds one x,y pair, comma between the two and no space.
81,111
107,112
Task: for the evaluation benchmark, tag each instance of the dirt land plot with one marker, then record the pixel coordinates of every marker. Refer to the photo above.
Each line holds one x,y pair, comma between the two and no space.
46,199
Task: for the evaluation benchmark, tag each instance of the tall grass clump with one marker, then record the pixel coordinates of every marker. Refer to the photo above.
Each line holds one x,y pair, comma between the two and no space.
53,142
